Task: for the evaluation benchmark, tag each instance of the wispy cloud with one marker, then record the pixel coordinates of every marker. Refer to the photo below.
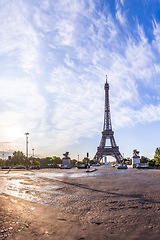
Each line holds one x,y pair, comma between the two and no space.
76,106
121,16
19,40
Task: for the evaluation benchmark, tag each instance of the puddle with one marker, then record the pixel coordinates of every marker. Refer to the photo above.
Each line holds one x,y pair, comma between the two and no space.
15,201
65,220
32,208
29,185
20,188
3,196
54,175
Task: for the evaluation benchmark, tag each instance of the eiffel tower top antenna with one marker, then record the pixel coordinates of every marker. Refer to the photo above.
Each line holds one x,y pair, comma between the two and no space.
107,115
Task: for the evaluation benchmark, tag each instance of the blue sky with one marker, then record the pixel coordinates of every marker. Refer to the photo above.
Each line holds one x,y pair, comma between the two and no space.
54,57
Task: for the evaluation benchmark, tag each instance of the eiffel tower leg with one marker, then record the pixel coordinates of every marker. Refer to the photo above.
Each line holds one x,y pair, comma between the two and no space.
113,142
118,157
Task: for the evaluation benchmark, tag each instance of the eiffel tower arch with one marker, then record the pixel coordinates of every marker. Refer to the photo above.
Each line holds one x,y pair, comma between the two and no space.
107,133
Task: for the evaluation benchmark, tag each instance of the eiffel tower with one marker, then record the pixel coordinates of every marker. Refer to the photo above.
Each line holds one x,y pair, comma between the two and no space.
107,133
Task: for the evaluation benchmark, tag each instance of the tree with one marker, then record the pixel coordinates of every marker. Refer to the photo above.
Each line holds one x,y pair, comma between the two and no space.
2,163
156,160
37,163
34,161
127,160
78,163
55,160
85,160
18,158
49,160
157,156
73,161
144,159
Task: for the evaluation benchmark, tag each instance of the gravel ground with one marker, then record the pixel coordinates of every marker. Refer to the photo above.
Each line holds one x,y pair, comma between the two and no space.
71,204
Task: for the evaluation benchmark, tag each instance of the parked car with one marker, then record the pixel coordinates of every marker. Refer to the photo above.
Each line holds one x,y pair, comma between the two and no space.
142,165
19,167
84,166
98,164
115,165
65,167
6,167
35,167
81,166
122,167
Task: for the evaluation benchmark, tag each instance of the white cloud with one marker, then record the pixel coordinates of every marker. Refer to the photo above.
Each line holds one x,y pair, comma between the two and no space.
23,108
19,40
122,2
129,117
68,61
156,32
121,16
76,105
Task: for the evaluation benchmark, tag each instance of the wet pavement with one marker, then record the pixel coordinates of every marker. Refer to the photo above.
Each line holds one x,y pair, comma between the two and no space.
74,204
44,187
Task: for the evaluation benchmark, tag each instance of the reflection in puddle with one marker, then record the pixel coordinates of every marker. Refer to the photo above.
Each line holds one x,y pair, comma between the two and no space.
32,208
54,175
45,192
30,186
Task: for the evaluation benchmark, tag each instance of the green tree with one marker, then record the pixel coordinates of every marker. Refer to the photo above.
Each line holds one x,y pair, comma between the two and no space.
157,156
151,162
57,160
49,160
18,158
144,159
37,163
78,163
2,163
34,161
85,160
73,161
91,162
6,162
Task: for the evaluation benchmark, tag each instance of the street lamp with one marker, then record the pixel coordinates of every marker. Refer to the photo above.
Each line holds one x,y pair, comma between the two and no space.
27,147
33,151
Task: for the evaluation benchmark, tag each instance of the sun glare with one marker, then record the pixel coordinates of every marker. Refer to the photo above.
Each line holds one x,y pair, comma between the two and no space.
15,133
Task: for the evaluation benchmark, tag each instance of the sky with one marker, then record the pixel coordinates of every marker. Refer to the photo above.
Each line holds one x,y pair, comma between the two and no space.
54,58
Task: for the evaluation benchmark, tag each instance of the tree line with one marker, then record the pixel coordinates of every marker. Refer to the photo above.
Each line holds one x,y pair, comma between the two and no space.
19,158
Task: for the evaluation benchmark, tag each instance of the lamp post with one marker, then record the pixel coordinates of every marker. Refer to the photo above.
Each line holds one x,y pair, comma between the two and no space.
27,147
33,151
9,158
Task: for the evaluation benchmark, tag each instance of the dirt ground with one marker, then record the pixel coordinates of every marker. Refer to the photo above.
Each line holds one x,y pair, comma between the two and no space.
111,204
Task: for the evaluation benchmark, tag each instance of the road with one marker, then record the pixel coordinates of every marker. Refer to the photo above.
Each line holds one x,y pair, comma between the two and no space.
72,204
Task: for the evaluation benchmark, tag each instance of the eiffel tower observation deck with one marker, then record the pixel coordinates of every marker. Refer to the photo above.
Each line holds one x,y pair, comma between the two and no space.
107,133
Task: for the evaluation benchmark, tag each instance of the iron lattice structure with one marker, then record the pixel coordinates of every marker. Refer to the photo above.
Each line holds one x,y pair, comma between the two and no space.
107,133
